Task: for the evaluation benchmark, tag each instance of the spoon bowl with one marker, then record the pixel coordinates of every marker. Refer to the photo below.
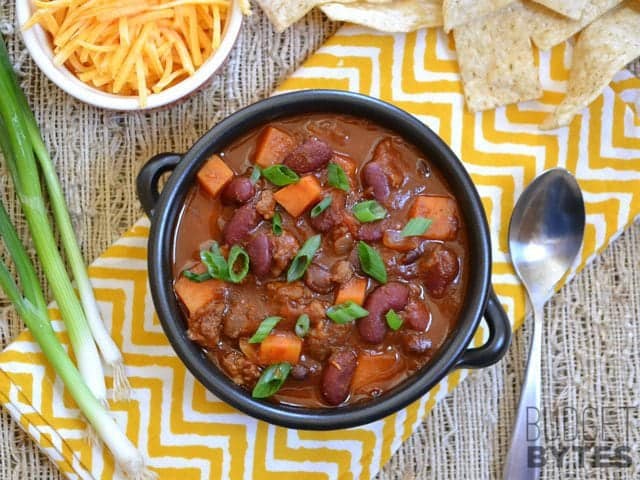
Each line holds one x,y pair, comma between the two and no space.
546,231
545,236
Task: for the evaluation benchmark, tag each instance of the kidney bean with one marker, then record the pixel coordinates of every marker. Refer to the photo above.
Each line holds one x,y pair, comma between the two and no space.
332,216
438,270
259,250
392,296
412,256
299,372
415,342
305,367
312,155
388,157
394,239
416,315
341,271
325,221
371,232
318,278
240,190
343,242
337,375
374,178
240,224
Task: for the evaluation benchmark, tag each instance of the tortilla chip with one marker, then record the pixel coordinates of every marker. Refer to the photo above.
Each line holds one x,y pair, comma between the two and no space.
496,60
549,28
568,8
284,13
602,50
397,16
459,12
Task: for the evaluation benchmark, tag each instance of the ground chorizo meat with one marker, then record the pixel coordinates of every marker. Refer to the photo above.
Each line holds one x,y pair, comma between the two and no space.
266,205
283,248
238,367
324,336
293,299
241,318
205,325
438,268
284,292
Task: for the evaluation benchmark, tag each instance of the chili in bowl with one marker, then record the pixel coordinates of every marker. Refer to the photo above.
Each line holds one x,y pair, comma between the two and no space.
320,259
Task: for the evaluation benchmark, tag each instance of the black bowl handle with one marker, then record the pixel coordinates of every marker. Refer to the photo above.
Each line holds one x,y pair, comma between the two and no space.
149,176
499,338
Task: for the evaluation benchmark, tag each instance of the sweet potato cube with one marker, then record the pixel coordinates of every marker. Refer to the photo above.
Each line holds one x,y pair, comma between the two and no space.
280,347
355,290
442,211
196,295
373,370
273,146
214,175
298,197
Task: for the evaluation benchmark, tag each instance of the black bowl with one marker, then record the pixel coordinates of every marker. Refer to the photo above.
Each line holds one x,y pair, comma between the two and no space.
164,210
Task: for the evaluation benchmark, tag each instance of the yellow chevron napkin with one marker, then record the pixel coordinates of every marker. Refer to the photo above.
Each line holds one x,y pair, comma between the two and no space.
186,432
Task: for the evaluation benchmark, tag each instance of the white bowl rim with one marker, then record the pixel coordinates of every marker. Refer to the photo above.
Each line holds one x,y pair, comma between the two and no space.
40,50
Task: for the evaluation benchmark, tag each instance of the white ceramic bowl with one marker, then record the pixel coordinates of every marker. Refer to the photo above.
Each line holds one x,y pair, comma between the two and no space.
40,49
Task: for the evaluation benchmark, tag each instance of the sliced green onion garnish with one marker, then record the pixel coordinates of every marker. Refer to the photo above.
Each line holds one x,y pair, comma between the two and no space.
321,206
197,277
346,312
337,178
234,270
215,262
371,262
280,175
393,320
369,211
264,329
238,264
276,224
302,325
271,380
416,227
255,174
303,258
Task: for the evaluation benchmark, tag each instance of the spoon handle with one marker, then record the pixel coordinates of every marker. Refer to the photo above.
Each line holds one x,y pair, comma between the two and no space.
522,459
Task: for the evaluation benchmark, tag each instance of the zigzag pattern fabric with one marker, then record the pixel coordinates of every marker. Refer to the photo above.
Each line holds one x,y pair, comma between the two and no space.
186,432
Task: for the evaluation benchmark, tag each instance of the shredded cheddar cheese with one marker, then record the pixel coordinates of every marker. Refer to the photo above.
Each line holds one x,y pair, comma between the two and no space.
132,48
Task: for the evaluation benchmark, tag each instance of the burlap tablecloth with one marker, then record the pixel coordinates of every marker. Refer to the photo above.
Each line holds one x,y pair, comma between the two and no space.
591,355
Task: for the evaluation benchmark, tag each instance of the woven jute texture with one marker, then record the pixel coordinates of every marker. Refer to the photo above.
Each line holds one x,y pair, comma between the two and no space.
591,359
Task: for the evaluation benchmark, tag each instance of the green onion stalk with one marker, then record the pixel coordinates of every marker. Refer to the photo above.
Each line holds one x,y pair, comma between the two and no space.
20,158
31,306
108,348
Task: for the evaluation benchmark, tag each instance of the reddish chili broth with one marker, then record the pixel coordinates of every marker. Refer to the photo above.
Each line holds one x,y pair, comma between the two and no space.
246,304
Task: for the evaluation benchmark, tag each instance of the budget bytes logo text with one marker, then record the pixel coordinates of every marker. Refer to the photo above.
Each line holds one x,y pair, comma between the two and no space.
595,437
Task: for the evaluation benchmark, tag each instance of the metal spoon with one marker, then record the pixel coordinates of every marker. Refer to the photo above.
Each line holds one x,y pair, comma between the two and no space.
545,235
